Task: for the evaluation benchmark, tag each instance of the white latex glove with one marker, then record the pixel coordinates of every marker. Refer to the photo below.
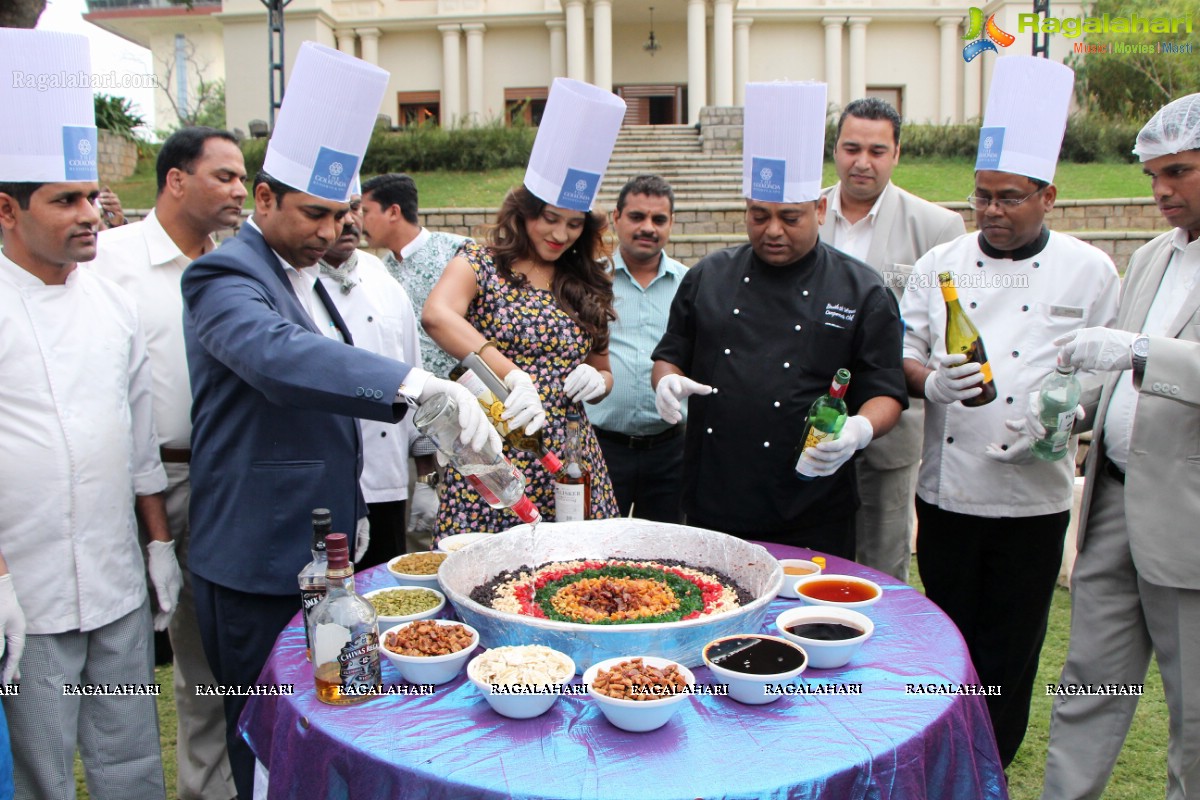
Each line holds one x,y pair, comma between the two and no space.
1030,429
422,510
362,538
584,383
12,631
827,457
1099,349
523,406
670,392
953,380
476,427
167,580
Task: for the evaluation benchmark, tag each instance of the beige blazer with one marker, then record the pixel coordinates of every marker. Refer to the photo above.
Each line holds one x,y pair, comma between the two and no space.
906,227
1162,484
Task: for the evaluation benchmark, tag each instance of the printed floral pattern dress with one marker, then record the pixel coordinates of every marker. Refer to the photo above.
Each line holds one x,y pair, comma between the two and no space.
545,343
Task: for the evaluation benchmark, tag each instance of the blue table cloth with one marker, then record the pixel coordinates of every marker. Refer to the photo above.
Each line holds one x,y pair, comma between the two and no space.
887,742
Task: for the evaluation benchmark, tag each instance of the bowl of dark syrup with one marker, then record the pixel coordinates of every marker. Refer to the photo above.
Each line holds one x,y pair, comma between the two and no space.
831,636
756,667
840,591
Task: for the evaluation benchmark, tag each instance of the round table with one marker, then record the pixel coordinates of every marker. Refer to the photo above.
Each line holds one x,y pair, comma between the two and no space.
889,741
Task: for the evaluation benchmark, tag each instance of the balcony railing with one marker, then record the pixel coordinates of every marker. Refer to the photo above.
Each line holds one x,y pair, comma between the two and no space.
123,5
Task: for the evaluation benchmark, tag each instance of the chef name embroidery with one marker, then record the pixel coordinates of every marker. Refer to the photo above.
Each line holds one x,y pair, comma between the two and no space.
838,316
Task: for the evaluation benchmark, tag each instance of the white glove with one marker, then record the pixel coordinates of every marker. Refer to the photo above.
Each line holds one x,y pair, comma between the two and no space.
523,406
825,458
1030,429
362,538
584,383
1098,349
476,427
670,392
167,580
422,510
12,631
953,380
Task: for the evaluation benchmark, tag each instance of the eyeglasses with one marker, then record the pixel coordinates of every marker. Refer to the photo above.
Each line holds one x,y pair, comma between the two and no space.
981,203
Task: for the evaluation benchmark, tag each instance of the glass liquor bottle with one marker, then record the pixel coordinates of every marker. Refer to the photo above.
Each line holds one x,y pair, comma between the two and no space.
963,337
499,483
312,577
1059,398
573,483
825,418
490,391
345,634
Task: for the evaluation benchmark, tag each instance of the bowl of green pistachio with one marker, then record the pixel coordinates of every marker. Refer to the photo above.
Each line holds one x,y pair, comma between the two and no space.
405,604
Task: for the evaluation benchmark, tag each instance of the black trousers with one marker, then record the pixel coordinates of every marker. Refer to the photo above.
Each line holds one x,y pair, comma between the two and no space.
387,533
995,577
238,630
834,536
650,480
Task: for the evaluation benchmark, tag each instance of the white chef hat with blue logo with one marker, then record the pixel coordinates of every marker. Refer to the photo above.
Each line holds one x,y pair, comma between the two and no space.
1026,117
325,123
783,141
47,115
574,143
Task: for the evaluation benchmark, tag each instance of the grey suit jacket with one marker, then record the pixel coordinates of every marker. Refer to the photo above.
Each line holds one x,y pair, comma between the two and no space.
1162,484
906,228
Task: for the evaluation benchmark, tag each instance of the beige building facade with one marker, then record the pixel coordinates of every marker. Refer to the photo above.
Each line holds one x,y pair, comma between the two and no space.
464,62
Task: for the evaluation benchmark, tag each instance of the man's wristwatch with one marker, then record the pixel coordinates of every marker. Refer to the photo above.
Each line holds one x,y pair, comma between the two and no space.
1141,351
430,479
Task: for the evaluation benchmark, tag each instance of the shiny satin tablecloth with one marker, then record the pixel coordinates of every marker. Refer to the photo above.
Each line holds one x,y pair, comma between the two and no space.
883,743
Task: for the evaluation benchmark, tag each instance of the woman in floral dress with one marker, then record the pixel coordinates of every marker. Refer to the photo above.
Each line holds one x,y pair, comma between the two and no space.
535,304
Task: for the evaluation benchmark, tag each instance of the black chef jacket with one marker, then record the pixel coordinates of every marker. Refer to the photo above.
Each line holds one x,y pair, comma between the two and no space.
769,339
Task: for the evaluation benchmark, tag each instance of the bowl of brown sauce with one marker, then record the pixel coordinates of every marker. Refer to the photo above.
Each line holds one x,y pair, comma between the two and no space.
831,636
840,591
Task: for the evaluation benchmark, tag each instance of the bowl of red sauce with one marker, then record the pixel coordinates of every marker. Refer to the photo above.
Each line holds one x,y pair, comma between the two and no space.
840,591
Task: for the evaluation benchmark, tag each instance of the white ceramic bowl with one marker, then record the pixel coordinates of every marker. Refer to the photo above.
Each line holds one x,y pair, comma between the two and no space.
517,706
457,541
411,579
789,581
386,621
755,689
863,582
824,654
637,716
430,669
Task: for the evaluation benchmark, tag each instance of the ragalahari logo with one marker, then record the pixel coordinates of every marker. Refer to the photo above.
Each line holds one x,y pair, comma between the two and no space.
984,36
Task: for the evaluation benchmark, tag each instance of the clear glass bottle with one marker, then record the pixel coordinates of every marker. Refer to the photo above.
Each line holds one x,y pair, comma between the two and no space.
573,483
499,483
825,418
345,634
963,337
312,577
1059,399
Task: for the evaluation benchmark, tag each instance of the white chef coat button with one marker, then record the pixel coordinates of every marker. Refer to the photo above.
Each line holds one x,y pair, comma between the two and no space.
766,444
737,311
726,351
746,279
709,430
805,293
777,404
787,365
797,327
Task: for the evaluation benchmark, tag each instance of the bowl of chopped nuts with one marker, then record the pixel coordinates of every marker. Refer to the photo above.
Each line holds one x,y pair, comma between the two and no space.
639,693
405,603
417,569
521,681
429,650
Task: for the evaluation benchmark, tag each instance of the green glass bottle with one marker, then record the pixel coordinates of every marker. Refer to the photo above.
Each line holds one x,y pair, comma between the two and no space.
1059,399
826,417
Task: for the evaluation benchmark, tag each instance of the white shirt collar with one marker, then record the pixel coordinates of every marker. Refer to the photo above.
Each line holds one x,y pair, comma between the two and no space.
835,207
286,266
415,245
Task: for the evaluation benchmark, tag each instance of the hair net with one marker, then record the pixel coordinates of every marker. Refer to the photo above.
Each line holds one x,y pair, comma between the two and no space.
1174,128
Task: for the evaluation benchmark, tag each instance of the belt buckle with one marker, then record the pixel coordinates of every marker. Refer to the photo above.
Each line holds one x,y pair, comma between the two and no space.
639,442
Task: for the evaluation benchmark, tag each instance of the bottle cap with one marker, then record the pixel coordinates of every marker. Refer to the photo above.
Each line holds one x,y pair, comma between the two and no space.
322,523
551,462
819,561
526,510
338,549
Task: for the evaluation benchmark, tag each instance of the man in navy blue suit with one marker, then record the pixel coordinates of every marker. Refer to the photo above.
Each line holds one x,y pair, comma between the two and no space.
277,386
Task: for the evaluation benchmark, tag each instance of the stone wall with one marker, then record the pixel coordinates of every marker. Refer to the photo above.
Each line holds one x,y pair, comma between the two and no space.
116,159
721,129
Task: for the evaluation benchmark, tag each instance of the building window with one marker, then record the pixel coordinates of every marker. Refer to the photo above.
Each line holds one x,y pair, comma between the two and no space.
526,104
892,94
418,108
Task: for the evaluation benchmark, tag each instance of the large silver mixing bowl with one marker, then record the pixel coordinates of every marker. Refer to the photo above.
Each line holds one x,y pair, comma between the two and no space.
751,566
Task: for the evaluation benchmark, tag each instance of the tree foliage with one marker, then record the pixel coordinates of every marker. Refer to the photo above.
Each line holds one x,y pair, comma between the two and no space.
1136,84
116,115
20,13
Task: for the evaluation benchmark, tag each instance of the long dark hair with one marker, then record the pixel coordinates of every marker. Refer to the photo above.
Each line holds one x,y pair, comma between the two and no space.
582,284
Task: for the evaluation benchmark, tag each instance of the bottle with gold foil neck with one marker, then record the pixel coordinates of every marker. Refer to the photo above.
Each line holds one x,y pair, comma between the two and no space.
963,337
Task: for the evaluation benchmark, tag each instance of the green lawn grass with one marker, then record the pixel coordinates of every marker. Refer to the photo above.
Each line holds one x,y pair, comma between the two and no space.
939,180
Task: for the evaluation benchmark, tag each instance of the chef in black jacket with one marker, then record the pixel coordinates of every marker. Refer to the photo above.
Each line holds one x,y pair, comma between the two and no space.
757,333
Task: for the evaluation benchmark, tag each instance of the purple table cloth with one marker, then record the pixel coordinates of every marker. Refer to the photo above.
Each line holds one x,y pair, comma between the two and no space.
883,743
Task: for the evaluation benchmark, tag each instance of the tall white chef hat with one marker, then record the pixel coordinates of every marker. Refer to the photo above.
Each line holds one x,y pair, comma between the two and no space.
47,115
783,141
574,142
325,122
1026,117
1174,128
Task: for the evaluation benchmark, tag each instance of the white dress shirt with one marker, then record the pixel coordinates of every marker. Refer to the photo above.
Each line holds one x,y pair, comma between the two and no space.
144,261
304,284
1183,270
77,438
380,317
1020,308
854,238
